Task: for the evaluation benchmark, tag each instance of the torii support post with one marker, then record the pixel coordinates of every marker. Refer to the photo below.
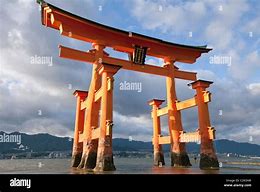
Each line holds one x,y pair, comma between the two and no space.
208,158
79,125
105,160
179,157
157,147
89,155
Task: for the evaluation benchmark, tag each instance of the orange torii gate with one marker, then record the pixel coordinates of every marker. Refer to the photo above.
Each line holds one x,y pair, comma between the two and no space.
92,148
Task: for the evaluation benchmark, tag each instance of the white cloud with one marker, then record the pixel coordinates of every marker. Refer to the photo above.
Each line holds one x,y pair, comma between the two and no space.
20,11
232,11
246,66
20,84
253,26
254,88
221,29
46,125
206,75
15,39
140,121
168,17
218,35
250,134
138,127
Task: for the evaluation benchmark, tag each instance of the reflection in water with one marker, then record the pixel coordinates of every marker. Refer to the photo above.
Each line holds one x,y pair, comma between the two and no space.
74,170
171,170
182,170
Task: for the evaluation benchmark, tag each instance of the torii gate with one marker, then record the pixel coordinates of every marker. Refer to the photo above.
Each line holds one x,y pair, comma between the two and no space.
92,148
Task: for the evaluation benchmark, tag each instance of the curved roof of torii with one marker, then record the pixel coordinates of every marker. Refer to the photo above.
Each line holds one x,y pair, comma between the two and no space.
74,26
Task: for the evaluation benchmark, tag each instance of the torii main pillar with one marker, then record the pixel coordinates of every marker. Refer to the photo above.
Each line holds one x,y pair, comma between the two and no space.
105,160
89,156
208,158
179,156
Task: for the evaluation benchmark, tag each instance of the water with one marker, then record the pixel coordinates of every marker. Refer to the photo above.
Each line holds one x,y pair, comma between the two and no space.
126,166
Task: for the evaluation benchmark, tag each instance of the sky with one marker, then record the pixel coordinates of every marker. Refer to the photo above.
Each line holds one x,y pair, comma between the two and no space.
38,98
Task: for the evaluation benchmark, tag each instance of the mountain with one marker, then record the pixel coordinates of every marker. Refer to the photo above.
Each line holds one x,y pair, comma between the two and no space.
221,146
36,143
46,142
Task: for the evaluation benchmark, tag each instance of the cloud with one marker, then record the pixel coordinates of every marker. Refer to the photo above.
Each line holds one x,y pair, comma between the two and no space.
138,127
21,16
252,26
43,125
216,31
168,17
250,134
244,67
254,88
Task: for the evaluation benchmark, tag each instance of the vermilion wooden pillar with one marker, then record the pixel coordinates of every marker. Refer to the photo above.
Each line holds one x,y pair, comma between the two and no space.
79,125
105,160
89,155
157,148
208,158
179,156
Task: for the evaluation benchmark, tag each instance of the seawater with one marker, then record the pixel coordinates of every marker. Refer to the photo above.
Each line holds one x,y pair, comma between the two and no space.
123,166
